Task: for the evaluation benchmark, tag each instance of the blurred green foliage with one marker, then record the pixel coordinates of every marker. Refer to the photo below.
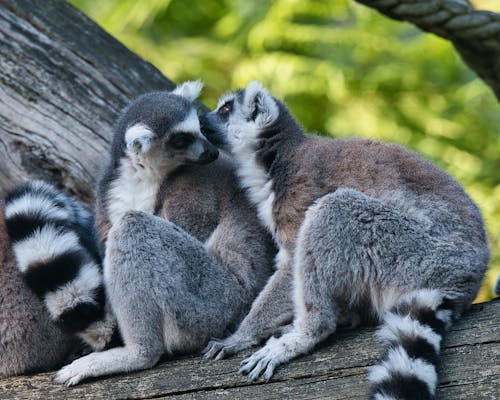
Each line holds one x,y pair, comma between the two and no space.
344,70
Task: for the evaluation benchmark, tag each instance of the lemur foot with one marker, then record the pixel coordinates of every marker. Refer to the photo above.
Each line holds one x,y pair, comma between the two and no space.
277,351
217,349
72,374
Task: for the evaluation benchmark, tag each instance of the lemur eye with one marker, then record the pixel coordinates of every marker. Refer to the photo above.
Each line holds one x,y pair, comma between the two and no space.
225,109
181,140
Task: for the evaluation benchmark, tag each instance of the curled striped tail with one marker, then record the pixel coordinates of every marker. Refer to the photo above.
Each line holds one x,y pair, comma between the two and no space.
55,247
412,332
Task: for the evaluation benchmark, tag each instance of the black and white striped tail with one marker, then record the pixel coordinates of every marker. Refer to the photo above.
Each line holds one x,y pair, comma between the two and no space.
412,332
54,243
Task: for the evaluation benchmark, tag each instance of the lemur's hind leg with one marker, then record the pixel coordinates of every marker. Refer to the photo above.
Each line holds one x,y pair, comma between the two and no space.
351,247
168,294
316,311
141,329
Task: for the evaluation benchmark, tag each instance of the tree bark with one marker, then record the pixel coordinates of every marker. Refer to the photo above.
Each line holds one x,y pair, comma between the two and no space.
470,370
63,81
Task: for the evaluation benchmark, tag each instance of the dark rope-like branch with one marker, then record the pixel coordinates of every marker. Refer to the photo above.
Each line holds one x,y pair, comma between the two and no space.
474,33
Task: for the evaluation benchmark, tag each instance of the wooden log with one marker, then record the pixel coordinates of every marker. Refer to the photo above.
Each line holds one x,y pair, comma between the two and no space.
470,369
63,81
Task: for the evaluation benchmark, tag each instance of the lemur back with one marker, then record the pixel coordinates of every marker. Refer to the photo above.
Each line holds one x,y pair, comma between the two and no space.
55,246
361,226
184,252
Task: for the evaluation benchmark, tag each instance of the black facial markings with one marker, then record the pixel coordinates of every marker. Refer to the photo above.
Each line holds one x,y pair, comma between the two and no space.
225,109
181,140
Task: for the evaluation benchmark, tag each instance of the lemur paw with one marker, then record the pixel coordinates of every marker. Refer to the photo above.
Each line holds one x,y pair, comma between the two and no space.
277,351
217,349
72,374
264,361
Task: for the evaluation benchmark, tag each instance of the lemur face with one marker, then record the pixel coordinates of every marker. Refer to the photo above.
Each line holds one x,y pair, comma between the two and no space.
162,130
240,117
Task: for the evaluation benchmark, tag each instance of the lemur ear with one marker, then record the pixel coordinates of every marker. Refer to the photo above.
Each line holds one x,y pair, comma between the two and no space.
259,105
189,89
138,138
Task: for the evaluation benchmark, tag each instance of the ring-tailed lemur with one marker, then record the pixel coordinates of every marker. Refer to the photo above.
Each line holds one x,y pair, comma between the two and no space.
55,245
359,224
189,273
29,340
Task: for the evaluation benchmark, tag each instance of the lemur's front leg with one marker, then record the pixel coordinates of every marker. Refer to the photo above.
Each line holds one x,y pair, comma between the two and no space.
272,309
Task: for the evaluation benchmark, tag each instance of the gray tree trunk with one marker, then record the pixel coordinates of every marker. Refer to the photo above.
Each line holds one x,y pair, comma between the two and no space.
63,81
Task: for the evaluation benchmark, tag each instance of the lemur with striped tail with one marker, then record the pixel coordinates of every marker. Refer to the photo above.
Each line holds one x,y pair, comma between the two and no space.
185,255
360,225
56,250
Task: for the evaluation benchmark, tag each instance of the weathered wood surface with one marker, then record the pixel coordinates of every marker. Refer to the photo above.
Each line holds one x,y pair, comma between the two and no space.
470,370
63,81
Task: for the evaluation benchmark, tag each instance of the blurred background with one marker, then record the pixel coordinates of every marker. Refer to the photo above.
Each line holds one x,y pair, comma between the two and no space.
342,68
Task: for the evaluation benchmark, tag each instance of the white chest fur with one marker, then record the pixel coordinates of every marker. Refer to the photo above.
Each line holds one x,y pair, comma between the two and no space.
260,188
135,189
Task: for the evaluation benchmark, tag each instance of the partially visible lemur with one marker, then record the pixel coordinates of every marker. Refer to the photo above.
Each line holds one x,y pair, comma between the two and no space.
49,250
359,224
29,340
177,279
55,245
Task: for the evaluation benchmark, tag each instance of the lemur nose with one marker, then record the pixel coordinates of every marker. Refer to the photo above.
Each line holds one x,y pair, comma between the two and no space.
209,155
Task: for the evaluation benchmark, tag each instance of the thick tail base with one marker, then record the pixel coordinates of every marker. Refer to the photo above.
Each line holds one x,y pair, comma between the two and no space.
412,332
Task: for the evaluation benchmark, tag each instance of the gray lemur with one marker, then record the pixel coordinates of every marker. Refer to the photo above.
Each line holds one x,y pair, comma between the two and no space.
360,225
185,254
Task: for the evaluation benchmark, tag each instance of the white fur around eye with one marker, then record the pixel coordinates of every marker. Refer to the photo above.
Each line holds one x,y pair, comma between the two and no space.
189,89
190,124
225,98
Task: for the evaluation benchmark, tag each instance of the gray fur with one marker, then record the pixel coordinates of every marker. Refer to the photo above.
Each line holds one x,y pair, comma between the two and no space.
190,273
365,225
